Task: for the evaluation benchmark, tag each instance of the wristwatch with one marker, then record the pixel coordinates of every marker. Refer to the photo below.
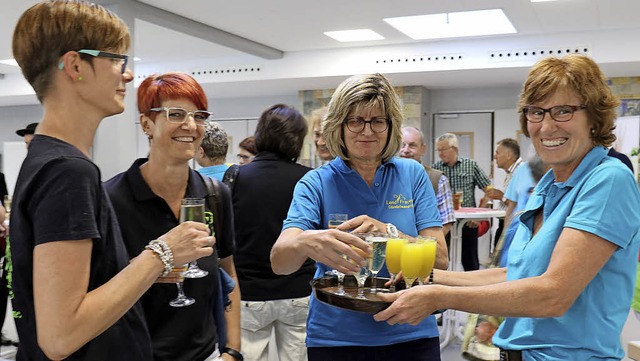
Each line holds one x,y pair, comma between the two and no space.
392,230
233,353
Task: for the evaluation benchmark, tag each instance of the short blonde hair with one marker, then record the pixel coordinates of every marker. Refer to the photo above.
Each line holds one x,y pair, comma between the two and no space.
581,75
367,91
49,29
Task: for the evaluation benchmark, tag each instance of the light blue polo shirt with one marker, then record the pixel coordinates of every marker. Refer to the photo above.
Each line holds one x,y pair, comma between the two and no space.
401,194
601,197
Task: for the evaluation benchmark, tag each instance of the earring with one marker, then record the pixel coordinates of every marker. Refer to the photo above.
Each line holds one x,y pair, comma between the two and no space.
593,131
80,78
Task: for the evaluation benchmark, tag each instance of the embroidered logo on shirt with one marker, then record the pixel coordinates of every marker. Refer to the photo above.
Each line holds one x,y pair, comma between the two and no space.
399,201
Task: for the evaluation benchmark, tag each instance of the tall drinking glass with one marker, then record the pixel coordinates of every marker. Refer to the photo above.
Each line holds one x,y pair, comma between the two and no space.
361,276
411,262
393,257
7,204
378,243
177,273
429,253
336,219
192,209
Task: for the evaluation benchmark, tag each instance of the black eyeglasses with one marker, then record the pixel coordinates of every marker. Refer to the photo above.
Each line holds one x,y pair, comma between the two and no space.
357,124
178,115
559,113
104,54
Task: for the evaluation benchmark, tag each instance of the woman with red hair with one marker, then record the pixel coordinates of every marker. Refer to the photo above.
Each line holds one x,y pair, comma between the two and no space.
146,198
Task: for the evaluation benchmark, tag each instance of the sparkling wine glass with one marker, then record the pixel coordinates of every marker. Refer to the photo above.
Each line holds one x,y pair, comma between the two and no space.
192,209
411,262
393,257
361,276
378,243
336,219
429,253
181,300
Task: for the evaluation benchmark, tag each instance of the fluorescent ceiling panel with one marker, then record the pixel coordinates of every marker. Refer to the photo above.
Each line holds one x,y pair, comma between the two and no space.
354,35
453,25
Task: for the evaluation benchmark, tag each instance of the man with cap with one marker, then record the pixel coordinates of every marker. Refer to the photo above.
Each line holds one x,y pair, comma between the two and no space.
27,133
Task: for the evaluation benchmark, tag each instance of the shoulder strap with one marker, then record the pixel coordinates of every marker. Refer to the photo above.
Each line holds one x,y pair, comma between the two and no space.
230,176
214,200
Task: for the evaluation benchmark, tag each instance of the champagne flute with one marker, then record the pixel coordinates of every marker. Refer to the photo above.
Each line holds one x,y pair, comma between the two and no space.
181,300
393,257
336,219
378,243
429,253
411,262
192,209
7,204
361,276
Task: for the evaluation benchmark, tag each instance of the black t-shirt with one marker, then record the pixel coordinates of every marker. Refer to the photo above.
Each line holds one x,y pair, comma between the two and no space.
261,198
177,333
59,196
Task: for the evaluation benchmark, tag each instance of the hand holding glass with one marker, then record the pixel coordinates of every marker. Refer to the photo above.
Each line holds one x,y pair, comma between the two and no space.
336,219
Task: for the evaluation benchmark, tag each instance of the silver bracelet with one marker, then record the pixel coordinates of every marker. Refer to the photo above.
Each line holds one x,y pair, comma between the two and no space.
163,251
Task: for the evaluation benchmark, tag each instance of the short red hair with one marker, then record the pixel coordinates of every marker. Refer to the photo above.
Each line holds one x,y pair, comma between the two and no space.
160,87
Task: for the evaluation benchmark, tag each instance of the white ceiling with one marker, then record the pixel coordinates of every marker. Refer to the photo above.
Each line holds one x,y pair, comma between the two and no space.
284,39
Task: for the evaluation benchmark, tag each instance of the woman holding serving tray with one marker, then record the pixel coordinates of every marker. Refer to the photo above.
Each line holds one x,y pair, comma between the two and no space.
390,195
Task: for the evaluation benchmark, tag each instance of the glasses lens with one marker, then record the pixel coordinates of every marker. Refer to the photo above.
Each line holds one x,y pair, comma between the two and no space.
561,113
201,116
355,125
176,115
379,125
533,114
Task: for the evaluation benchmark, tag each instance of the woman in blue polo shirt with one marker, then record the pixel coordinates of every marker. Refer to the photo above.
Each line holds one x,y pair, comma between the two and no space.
381,192
570,273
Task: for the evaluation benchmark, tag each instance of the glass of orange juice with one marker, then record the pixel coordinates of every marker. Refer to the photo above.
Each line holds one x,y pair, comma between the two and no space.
429,246
393,257
411,262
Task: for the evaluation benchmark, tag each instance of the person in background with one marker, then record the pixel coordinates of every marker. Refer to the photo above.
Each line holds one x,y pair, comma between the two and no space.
322,151
246,150
413,147
363,129
520,188
568,284
271,304
74,288
147,198
27,133
212,154
507,157
464,175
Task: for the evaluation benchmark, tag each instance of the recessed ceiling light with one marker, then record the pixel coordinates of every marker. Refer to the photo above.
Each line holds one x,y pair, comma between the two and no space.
11,62
541,1
453,25
135,58
354,35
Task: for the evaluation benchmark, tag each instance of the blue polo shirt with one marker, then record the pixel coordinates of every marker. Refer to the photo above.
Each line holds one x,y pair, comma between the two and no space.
601,197
401,194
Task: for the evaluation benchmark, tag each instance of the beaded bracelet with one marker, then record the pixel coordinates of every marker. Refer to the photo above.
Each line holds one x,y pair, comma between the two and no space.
431,278
163,251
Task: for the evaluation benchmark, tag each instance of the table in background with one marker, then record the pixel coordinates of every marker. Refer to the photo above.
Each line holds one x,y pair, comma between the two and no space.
450,322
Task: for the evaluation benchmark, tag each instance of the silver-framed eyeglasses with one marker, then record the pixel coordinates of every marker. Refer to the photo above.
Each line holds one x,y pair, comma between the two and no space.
357,124
559,113
178,115
105,54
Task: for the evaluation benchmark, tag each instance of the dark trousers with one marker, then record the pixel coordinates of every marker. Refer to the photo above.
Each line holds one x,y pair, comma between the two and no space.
498,232
470,249
426,349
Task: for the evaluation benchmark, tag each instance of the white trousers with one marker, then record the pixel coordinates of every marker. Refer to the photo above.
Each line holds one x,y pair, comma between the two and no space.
286,319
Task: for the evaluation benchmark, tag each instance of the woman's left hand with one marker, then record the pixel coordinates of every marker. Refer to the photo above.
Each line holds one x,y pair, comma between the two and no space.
363,224
409,306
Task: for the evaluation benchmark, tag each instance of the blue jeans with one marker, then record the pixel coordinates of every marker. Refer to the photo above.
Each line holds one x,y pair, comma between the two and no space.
425,349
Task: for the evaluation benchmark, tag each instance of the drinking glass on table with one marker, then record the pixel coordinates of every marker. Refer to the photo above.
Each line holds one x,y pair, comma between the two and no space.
378,243
192,209
393,257
336,219
429,254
